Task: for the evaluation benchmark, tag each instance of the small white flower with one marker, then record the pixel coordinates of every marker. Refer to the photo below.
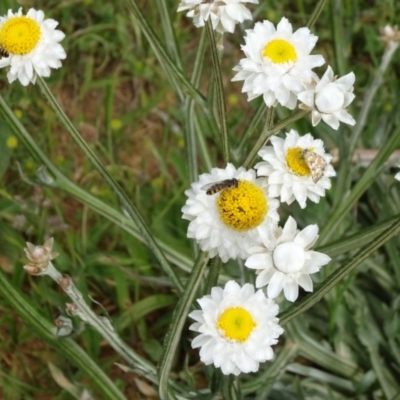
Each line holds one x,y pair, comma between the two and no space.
237,328
227,223
328,98
224,14
277,62
288,174
287,262
397,176
31,43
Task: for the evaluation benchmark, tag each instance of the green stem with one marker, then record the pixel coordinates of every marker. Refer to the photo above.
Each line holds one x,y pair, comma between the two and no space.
179,317
317,11
169,33
370,94
66,346
338,275
178,80
269,132
249,131
219,90
61,182
341,211
190,120
126,203
101,325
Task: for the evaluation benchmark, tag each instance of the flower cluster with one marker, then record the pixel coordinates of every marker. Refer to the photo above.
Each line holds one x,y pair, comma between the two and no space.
29,45
279,66
233,213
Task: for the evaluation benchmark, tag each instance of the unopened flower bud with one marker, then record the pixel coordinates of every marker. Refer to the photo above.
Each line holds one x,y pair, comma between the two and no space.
32,269
40,256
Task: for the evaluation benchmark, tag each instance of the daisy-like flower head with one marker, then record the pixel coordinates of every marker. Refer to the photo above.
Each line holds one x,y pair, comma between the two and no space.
31,43
287,262
237,328
227,222
328,98
224,14
290,175
277,62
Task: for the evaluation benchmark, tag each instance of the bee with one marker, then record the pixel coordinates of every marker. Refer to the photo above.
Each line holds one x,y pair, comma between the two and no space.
3,53
215,187
316,163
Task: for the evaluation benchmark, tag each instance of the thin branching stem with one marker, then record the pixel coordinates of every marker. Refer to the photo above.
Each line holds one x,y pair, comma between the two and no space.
219,90
268,132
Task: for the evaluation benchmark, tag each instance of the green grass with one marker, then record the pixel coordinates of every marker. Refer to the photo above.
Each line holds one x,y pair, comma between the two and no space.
346,346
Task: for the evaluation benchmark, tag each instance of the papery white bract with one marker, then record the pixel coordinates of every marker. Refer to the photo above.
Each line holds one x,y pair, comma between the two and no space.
32,44
287,262
397,176
237,327
328,98
289,176
223,14
227,223
277,63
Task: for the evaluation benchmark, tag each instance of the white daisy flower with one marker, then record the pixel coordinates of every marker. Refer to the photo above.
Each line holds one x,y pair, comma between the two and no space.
287,262
224,14
29,45
291,176
237,328
328,98
277,62
227,222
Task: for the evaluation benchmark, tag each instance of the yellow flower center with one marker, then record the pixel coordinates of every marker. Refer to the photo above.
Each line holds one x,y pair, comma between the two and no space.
236,323
19,35
242,208
280,51
296,162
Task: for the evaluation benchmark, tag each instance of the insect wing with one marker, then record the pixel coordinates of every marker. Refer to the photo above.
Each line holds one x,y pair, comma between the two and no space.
209,186
316,163
215,187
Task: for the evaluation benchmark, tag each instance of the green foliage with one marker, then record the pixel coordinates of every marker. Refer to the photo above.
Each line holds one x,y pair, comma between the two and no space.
124,89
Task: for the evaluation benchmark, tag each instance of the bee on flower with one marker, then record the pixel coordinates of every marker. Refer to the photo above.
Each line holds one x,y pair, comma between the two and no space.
225,220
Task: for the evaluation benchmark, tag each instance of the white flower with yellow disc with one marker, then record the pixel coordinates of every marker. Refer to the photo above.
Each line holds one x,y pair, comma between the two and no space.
290,175
29,45
287,261
226,223
277,63
237,328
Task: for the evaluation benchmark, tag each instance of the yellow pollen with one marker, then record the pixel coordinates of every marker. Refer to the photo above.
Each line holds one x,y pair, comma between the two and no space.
236,324
279,51
19,35
242,208
296,162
